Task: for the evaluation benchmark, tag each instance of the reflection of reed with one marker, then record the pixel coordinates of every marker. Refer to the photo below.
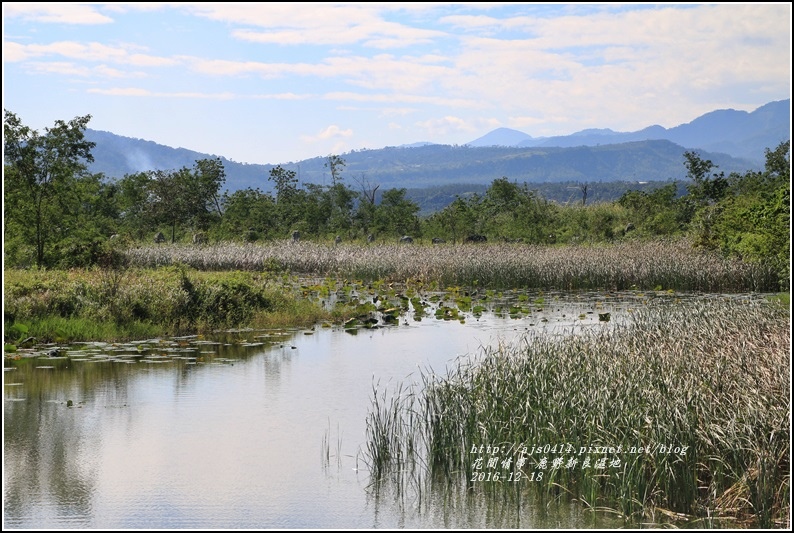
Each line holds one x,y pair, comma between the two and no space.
325,448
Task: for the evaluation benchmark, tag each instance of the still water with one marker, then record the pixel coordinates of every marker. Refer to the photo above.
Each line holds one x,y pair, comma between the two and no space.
251,429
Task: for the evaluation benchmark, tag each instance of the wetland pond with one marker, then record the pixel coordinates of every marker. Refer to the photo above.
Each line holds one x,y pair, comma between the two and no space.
256,429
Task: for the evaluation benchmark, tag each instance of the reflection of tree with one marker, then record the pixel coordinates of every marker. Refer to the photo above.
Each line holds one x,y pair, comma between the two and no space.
52,452
49,448
47,458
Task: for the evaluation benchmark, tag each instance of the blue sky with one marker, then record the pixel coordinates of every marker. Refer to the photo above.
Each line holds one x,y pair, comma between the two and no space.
281,82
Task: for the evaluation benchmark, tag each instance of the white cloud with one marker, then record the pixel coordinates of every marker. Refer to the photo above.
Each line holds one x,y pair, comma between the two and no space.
138,92
283,96
598,67
331,132
390,98
317,24
14,52
55,12
333,139
71,69
122,91
568,68
471,21
93,51
442,127
524,122
398,74
397,111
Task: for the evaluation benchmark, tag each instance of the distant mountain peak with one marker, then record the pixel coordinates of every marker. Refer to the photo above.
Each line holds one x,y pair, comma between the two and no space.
501,137
594,131
416,145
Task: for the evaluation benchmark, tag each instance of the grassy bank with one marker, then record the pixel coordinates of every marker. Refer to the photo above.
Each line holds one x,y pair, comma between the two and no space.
122,304
708,381
669,264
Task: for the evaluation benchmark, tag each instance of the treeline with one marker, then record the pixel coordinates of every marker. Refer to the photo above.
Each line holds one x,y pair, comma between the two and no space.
57,214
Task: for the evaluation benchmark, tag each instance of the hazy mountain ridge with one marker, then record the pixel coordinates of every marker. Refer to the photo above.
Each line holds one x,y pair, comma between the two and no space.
740,134
590,155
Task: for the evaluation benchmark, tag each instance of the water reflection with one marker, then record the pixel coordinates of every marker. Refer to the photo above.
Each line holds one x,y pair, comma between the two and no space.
250,429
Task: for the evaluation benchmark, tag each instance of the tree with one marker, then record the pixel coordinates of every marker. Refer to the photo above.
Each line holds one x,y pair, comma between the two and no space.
248,213
285,183
45,177
458,219
583,187
335,163
707,186
512,211
169,198
187,196
209,176
365,212
753,219
396,214
135,198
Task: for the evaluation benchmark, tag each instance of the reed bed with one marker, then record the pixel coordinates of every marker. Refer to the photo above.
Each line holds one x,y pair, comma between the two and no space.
670,264
709,381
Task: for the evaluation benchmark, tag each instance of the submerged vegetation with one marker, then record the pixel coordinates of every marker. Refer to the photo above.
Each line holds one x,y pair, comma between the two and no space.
686,407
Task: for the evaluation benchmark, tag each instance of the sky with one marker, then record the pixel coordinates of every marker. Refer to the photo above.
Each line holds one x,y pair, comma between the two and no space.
273,83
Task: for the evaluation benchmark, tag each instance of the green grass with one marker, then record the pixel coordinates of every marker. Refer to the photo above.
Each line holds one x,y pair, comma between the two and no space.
782,298
59,330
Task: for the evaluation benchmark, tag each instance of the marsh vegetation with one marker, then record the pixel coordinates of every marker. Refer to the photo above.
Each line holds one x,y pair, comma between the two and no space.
686,405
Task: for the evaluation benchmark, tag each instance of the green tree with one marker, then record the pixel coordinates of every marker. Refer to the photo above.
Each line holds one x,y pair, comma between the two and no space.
290,205
453,222
706,186
134,204
329,209
45,183
170,199
248,213
753,220
657,212
209,177
335,164
285,183
182,198
396,215
187,197
512,211
342,200
364,215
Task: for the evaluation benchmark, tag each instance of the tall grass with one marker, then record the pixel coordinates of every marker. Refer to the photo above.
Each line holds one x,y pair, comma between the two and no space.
670,264
710,379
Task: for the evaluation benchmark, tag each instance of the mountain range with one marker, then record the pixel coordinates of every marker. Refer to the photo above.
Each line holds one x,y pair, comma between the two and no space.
733,140
737,133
